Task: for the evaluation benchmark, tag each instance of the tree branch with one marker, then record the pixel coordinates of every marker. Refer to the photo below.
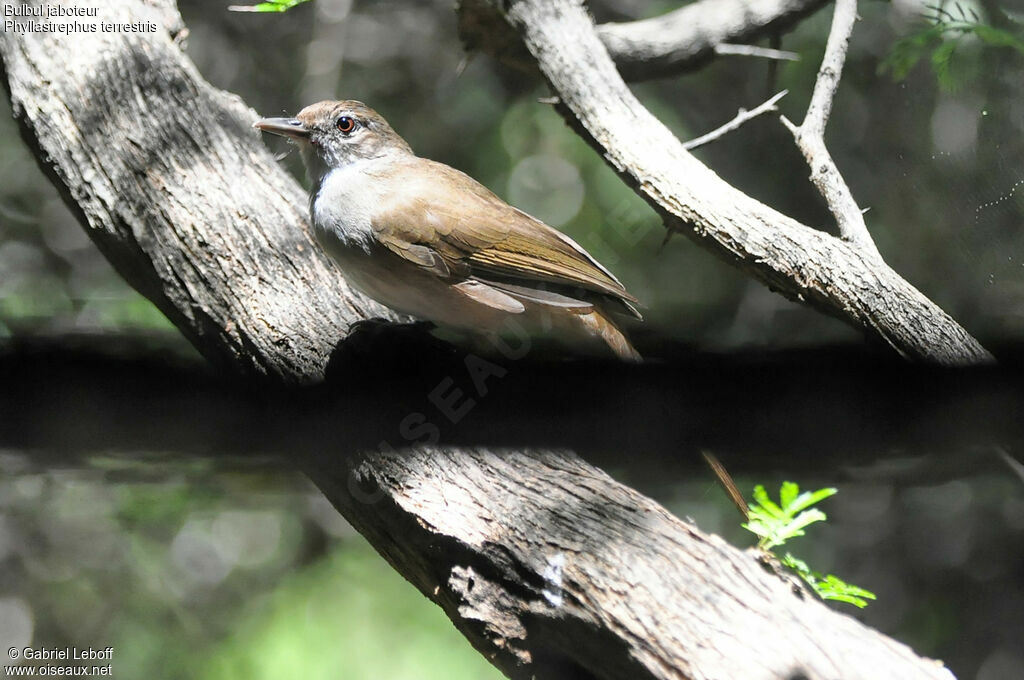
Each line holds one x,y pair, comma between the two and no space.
742,117
802,263
688,36
727,49
681,40
810,135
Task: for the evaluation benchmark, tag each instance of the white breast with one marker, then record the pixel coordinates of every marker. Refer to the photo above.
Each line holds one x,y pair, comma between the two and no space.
343,206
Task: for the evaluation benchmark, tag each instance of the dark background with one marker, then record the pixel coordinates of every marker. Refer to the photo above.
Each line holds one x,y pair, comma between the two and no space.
199,557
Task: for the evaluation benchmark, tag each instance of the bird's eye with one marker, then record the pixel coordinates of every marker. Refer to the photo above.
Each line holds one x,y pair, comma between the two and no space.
346,124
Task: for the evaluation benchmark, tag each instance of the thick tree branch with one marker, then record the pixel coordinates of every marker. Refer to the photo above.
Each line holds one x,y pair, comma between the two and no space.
548,566
681,40
802,263
810,135
688,36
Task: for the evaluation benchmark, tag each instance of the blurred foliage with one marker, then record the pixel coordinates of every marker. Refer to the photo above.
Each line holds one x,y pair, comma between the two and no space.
190,570
945,35
225,569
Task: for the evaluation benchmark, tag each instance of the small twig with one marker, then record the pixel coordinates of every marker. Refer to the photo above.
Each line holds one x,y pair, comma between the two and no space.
725,479
742,117
755,51
1014,465
810,135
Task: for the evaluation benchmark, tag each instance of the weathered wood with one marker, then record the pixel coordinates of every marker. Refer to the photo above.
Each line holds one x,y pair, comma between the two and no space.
542,561
552,570
802,263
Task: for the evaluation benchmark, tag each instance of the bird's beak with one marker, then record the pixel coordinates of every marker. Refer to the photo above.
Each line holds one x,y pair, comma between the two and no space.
286,127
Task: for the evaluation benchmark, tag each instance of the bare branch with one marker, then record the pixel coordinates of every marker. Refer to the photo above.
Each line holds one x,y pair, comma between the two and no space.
742,117
843,18
728,49
810,135
690,35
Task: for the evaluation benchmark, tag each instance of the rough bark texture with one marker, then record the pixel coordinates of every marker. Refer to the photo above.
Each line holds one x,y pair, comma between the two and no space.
800,262
543,562
554,570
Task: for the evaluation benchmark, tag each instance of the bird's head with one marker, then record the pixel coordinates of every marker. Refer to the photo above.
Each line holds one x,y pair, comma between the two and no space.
333,134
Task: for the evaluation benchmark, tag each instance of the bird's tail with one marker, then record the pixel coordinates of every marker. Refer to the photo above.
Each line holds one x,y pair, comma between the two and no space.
599,325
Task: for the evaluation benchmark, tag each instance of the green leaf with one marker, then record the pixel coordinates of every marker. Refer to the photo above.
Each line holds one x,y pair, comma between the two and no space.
795,527
908,51
830,586
765,504
796,564
271,6
809,498
834,588
996,37
774,524
940,39
942,60
787,494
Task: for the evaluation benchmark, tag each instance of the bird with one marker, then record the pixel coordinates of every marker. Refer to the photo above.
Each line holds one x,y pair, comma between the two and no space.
429,241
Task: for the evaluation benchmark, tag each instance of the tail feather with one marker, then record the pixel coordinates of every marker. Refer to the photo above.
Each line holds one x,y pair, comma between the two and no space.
600,326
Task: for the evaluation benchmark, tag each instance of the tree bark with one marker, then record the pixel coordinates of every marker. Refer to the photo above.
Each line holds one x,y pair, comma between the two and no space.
547,565
802,263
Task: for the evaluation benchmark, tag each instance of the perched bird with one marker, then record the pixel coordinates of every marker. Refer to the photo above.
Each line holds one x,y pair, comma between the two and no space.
427,240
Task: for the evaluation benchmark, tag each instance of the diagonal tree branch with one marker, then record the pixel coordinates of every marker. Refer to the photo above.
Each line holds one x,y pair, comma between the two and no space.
810,135
800,262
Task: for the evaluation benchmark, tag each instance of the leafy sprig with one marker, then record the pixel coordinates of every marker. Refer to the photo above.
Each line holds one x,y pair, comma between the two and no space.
829,586
775,523
944,33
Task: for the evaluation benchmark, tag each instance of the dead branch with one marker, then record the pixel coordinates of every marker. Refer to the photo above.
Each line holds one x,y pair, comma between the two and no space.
810,135
742,117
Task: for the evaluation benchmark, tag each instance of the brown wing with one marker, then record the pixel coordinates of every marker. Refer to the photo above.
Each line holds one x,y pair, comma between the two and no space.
448,223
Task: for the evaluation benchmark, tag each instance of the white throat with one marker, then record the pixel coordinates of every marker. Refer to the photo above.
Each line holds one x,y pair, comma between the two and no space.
344,201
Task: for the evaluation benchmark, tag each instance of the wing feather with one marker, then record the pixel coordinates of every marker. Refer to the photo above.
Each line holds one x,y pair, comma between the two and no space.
448,223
